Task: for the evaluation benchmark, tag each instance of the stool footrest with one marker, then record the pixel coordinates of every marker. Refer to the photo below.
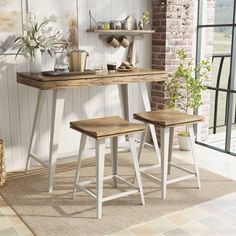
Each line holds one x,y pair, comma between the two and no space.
150,176
181,168
33,156
150,167
81,187
93,181
171,181
86,190
119,195
125,181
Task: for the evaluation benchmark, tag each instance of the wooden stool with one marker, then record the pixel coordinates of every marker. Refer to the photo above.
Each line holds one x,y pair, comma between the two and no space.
167,120
101,129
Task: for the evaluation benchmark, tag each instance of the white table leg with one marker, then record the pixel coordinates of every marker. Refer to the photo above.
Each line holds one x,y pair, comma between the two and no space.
81,151
165,132
58,101
170,148
124,100
100,156
195,159
136,167
147,107
114,154
38,112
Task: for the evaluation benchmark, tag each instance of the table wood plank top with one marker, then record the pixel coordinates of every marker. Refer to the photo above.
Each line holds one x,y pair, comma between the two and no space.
44,82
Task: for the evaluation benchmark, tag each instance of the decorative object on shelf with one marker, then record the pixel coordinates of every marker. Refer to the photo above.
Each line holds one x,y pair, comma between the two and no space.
106,26
100,25
77,60
118,25
145,20
114,42
124,42
37,38
186,87
131,23
2,164
112,25
124,25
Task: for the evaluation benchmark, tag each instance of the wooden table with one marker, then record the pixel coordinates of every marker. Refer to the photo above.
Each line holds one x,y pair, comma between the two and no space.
60,83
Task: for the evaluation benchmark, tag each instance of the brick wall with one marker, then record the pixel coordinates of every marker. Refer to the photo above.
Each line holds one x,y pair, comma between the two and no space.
173,21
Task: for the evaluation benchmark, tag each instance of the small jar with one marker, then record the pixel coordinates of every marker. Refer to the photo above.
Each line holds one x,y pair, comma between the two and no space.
112,25
100,25
118,25
106,26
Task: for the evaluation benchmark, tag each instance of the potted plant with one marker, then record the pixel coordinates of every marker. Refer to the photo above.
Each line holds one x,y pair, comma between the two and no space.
186,88
37,38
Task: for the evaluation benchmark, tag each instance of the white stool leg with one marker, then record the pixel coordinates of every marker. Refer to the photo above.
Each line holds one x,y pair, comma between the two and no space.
136,166
100,156
142,141
165,132
114,153
170,148
81,151
195,159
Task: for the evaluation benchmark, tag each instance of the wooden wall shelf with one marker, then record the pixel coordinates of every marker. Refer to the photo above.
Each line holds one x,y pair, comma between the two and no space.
121,31
104,34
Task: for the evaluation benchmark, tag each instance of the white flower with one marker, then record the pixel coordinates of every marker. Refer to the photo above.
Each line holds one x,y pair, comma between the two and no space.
32,43
27,26
30,17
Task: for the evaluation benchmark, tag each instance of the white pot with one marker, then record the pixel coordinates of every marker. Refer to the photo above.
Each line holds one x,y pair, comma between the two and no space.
35,63
184,143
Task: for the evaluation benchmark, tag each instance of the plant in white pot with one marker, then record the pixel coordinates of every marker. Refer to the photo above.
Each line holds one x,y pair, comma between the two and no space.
186,89
37,38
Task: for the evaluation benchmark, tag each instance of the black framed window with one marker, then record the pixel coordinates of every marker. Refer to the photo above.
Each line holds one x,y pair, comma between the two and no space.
216,40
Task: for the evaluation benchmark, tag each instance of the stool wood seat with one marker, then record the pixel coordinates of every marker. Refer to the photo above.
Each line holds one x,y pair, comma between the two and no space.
167,120
106,127
100,129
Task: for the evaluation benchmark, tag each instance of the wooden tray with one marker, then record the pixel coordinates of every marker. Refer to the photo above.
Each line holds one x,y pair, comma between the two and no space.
53,73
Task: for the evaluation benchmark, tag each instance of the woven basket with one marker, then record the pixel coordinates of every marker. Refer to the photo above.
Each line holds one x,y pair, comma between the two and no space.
2,164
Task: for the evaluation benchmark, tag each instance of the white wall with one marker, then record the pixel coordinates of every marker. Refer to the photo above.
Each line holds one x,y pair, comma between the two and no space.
17,102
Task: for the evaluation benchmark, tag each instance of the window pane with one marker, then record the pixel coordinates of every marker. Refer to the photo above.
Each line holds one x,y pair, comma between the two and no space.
217,128
219,12
216,43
